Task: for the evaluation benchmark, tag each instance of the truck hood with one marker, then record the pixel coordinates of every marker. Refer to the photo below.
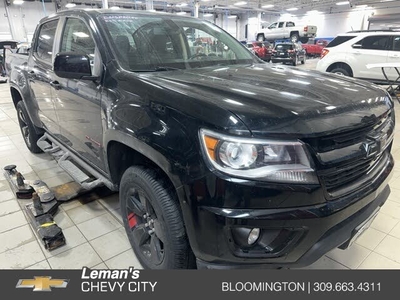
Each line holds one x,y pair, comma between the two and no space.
281,100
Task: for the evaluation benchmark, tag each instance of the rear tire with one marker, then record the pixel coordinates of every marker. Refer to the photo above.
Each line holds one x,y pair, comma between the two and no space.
304,40
28,130
341,71
153,221
294,37
260,37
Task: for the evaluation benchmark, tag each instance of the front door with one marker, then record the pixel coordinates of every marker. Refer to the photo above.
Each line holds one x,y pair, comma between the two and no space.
370,50
78,101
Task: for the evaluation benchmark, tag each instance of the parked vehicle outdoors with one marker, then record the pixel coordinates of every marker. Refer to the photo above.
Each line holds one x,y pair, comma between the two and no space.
220,160
350,53
314,47
262,49
288,53
285,30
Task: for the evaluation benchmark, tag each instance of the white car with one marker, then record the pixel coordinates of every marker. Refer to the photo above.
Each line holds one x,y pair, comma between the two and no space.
350,53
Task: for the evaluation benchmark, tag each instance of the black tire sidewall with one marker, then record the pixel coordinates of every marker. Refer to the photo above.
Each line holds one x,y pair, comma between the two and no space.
175,240
33,136
343,71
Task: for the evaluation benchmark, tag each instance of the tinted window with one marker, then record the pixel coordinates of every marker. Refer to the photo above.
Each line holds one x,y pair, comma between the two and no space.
281,24
289,24
378,42
155,42
340,40
44,46
77,38
284,47
249,45
396,43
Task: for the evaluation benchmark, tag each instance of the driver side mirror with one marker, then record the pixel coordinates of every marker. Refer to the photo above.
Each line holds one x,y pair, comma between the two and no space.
357,46
72,65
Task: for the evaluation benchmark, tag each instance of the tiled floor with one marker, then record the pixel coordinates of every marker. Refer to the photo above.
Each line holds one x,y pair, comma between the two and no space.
94,233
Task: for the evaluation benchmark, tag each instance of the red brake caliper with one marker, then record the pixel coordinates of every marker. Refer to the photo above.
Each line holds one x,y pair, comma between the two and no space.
132,220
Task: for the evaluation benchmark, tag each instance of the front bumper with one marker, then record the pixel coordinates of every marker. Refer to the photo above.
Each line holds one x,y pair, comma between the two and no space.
316,228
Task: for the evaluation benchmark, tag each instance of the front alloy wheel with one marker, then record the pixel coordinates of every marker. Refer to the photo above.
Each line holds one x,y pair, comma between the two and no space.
153,220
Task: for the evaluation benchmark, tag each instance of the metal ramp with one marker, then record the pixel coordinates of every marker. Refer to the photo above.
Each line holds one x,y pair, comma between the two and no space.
86,176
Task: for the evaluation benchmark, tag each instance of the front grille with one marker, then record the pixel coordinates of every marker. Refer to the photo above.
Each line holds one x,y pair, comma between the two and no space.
351,137
351,172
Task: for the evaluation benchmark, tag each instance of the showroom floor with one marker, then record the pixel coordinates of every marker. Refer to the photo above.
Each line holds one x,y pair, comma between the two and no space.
94,233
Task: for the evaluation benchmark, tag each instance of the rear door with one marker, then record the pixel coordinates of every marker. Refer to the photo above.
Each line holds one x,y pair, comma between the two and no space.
372,49
78,101
40,74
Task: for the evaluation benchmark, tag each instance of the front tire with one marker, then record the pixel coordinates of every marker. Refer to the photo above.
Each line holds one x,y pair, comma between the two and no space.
294,37
340,71
153,221
28,130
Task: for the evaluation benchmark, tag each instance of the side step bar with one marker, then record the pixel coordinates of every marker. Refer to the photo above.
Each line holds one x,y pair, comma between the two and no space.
80,171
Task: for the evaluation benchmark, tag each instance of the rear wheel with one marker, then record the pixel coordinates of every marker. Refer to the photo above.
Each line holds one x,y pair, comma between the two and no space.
304,40
28,130
294,37
153,221
340,71
260,37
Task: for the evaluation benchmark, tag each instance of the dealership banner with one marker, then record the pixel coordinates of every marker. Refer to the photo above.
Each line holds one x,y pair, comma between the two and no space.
197,284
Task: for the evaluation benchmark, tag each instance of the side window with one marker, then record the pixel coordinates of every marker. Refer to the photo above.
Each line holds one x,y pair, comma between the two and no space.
77,38
281,24
378,42
396,43
289,24
44,44
272,26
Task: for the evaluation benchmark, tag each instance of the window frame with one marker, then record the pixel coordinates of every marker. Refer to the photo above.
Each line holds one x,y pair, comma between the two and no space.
276,25
392,43
63,25
36,42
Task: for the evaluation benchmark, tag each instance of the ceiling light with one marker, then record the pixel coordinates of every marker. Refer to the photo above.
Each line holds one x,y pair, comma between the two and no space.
268,6
80,34
182,5
138,2
69,5
342,3
313,12
208,15
240,3
181,13
362,6
18,2
232,17
292,9
114,7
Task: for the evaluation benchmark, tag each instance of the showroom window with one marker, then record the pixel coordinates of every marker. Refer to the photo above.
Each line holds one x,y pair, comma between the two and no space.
378,42
44,46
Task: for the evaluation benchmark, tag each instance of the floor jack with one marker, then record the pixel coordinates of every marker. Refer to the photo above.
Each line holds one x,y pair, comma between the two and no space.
45,203
41,210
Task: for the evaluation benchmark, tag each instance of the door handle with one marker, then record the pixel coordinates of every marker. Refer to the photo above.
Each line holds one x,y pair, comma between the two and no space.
394,55
55,84
357,52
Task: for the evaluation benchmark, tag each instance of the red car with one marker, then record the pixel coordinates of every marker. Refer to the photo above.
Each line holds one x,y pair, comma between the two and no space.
262,49
314,48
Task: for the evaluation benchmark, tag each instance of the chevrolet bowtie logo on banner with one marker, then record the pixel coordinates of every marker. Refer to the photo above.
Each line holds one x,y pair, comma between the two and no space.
42,283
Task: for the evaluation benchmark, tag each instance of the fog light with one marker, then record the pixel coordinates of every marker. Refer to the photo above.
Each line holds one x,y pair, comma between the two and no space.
253,236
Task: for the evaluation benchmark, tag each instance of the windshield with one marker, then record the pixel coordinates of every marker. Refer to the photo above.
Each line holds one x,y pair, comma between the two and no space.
165,42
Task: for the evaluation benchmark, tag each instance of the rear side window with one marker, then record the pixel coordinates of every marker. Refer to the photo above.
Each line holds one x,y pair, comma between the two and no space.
289,24
378,42
44,44
340,40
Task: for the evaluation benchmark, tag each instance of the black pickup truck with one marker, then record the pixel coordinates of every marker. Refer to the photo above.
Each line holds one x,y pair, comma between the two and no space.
220,160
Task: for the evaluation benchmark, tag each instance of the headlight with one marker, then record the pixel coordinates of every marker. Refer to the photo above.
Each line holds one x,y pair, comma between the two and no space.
267,160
